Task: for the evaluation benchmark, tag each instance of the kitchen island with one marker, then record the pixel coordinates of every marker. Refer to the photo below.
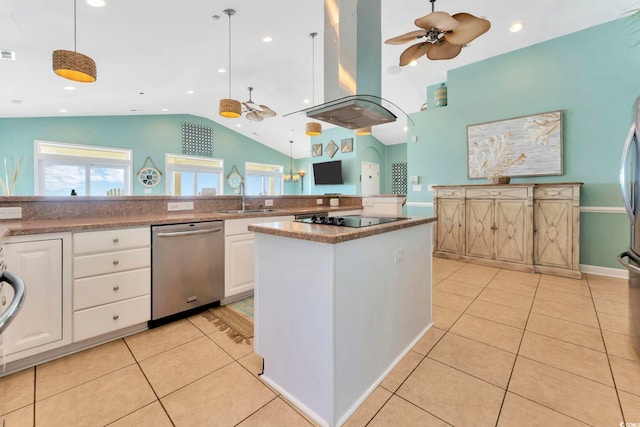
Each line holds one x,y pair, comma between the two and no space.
337,308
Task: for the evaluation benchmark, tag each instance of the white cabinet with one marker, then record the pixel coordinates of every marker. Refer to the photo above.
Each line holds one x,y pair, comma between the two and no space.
43,323
239,258
112,280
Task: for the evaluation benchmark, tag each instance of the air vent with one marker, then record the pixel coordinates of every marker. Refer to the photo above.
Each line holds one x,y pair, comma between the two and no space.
8,55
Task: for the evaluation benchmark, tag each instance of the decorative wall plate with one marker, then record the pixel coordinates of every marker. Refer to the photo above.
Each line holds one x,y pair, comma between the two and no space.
331,148
149,176
234,178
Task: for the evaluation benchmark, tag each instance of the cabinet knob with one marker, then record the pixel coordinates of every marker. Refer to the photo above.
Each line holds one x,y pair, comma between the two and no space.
116,240
115,288
116,262
116,317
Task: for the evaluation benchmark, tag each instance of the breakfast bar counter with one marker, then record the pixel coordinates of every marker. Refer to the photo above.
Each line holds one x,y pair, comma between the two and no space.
336,308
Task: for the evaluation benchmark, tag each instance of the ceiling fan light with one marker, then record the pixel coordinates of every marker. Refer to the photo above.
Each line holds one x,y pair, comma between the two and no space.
230,108
313,128
74,66
363,131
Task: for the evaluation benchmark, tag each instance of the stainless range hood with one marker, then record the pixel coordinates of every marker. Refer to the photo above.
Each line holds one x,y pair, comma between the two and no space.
353,112
352,57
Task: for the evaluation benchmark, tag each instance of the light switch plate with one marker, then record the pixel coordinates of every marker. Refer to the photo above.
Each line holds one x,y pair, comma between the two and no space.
11,213
318,201
417,187
268,202
180,206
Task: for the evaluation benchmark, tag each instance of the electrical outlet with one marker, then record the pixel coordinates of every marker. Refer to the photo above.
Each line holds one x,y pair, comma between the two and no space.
268,202
11,213
318,201
368,202
180,206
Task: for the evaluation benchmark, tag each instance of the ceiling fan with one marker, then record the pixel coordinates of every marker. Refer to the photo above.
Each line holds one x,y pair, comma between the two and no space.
257,112
444,35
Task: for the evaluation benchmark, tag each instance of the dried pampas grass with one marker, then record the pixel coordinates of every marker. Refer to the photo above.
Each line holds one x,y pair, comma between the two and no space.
9,187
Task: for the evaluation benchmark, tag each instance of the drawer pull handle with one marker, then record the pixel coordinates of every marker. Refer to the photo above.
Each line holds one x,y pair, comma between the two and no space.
116,240
116,262
116,317
4,300
115,288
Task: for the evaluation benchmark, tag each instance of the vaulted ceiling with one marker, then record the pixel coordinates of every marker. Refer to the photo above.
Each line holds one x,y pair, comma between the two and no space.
151,53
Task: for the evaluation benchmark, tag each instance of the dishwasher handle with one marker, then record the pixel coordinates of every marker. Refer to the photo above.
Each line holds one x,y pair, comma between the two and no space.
188,233
19,292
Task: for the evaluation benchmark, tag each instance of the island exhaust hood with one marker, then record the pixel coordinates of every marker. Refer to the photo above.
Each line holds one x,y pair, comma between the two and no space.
352,63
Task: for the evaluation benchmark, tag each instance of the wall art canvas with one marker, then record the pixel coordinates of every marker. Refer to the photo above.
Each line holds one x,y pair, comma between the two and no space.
316,150
331,148
347,145
522,146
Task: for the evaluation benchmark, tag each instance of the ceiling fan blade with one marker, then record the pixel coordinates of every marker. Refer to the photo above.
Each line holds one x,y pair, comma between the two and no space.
444,50
405,38
470,27
253,116
266,112
413,52
440,20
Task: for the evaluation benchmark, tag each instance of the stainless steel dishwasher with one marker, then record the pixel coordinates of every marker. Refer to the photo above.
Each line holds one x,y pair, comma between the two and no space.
187,267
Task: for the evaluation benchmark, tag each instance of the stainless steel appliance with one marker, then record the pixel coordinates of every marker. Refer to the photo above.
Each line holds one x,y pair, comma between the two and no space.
630,184
9,310
349,221
187,267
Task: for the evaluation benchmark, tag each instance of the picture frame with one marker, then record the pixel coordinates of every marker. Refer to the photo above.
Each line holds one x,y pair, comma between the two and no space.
521,146
331,149
316,150
347,145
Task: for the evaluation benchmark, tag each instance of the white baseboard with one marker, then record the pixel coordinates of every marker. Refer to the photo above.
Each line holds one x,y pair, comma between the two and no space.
605,271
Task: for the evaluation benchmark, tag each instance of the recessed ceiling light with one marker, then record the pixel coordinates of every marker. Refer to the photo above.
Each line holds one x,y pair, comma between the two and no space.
165,109
239,125
306,101
69,88
191,92
405,128
516,26
96,3
222,70
413,63
63,111
267,39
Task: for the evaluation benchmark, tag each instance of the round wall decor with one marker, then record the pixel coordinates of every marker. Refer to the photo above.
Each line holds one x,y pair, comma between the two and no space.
149,176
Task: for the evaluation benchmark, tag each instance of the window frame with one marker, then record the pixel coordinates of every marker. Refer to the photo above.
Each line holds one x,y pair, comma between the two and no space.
262,174
42,160
170,168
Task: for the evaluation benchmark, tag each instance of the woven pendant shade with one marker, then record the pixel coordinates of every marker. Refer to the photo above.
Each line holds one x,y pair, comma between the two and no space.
313,129
74,66
230,108
364,131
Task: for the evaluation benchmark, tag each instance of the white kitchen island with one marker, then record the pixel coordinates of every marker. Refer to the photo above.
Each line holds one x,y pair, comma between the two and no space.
337,308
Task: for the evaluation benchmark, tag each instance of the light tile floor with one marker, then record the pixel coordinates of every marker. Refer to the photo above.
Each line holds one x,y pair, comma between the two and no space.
507,349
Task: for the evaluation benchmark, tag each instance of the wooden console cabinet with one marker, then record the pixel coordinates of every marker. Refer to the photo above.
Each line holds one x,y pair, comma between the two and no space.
527,227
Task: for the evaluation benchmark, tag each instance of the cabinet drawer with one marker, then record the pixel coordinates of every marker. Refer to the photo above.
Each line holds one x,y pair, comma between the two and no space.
555,193
448,193
496,192
109,288
112,262
111,240
110,317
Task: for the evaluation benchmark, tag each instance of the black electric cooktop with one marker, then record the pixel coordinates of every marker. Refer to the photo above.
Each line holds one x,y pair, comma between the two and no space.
350,221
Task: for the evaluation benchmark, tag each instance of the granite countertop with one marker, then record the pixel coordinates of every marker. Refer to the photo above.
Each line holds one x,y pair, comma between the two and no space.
60,225
333,234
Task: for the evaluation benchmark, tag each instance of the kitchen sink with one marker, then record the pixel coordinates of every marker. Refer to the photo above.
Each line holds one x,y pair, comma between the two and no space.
240,211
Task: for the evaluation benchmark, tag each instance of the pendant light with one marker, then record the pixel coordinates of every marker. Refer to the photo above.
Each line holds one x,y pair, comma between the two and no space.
229,107
364,131
71,64
313,128
292,176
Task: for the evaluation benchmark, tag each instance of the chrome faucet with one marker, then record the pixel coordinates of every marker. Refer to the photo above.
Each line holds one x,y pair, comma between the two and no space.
244,205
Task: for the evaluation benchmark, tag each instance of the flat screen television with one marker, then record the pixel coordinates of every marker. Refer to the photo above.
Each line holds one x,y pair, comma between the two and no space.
328,173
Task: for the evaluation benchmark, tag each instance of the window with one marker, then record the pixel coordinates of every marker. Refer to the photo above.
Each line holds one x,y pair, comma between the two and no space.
263,180
193,175
89,170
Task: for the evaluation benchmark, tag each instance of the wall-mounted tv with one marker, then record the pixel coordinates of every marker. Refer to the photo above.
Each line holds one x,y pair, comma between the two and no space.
328,173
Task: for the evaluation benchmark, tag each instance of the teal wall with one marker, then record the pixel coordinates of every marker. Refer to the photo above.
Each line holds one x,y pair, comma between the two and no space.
591,75
146,135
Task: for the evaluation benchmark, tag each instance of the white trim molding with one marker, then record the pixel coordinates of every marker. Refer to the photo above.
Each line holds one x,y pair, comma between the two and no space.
604,271
603,209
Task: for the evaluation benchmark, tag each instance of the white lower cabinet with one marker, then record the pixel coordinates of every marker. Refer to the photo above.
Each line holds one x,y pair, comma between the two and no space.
42,322
112,281
239,262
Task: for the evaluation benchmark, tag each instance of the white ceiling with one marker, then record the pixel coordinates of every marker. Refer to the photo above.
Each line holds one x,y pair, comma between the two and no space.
164,48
